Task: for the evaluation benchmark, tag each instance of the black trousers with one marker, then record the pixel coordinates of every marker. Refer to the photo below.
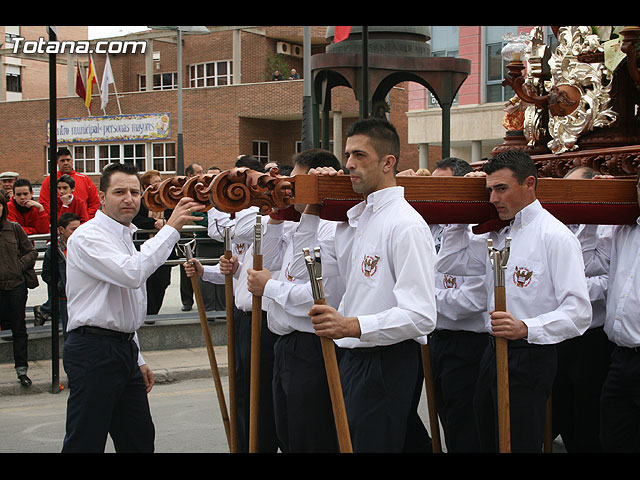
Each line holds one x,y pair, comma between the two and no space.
157,285
301,398
456,359
532,369
12,305
382,387
267,437
211,293
620,402
583,363
107,396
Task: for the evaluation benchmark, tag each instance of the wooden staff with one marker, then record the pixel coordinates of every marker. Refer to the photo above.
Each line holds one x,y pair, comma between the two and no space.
231,343
256,327
499,260
431,399
329,353
207,340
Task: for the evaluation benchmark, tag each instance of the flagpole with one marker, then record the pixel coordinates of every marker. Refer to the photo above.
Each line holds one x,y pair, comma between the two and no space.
79,76
97,84
53,215
107,78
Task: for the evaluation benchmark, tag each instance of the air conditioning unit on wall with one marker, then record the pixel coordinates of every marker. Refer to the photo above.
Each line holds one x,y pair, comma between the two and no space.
297,51
283,48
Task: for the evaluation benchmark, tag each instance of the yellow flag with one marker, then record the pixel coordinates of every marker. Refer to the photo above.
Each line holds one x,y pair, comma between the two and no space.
91,79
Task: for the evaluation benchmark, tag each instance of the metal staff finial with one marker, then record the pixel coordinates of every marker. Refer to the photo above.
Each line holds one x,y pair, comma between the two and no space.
499,259
257,235
225,233
314,266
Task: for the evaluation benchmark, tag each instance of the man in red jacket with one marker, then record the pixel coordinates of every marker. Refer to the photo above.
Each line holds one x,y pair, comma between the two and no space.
85,189
23,209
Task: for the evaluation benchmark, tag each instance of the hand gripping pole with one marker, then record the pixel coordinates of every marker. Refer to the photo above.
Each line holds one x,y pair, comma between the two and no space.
314,266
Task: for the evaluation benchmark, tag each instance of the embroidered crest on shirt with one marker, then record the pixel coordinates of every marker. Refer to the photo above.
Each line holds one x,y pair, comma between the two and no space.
289,276
370,265
449,281
522,276
240,248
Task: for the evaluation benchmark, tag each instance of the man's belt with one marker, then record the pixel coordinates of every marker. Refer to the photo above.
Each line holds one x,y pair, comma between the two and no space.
88,330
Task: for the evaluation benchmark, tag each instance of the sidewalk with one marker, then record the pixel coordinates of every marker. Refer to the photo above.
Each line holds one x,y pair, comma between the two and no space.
168,364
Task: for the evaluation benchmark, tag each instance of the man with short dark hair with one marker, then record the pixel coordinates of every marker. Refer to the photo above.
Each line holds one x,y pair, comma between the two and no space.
385,255
619,414
547,298
459,340
583,361
85,190
23,209
452,166
106,295
302,404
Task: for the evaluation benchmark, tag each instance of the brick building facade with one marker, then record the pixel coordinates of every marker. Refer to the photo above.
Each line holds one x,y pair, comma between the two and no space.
240,109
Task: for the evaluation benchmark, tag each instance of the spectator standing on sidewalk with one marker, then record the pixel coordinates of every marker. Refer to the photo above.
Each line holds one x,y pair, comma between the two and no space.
17,257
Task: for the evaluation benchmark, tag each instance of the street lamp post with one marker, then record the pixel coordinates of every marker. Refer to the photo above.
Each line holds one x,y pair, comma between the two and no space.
197,30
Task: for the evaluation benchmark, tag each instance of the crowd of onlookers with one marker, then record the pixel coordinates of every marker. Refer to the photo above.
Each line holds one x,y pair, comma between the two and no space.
23,214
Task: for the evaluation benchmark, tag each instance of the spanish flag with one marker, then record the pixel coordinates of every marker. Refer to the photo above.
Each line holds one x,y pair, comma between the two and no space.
91,79
341,33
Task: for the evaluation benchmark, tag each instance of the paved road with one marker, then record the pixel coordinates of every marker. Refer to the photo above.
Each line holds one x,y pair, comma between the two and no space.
186,416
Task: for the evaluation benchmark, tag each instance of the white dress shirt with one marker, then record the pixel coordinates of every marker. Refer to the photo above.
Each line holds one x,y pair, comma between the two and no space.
544,281
593,237
290,293
242,237
386,256
461,300
106,275
621,258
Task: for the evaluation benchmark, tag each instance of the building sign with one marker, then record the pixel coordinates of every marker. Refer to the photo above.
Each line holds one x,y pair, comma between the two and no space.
113,128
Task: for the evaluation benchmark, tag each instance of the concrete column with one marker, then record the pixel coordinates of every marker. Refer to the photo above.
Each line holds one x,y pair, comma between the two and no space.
148,65
423,155
476,151
237,57
337,135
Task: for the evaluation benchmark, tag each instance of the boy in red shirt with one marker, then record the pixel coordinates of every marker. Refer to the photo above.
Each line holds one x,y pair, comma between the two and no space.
67,201
85,190
23,209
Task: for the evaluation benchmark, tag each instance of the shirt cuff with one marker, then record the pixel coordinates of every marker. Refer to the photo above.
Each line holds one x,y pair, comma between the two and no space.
368,327
271,288
535,330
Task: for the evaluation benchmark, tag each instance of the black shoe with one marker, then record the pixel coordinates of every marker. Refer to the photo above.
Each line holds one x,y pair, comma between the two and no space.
186,308
37,316
24,380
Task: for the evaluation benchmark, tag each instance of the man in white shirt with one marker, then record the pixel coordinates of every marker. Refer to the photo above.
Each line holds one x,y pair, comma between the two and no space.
620,257
243,227
303,411
385,254
106,292
459,340
547,298
583,361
